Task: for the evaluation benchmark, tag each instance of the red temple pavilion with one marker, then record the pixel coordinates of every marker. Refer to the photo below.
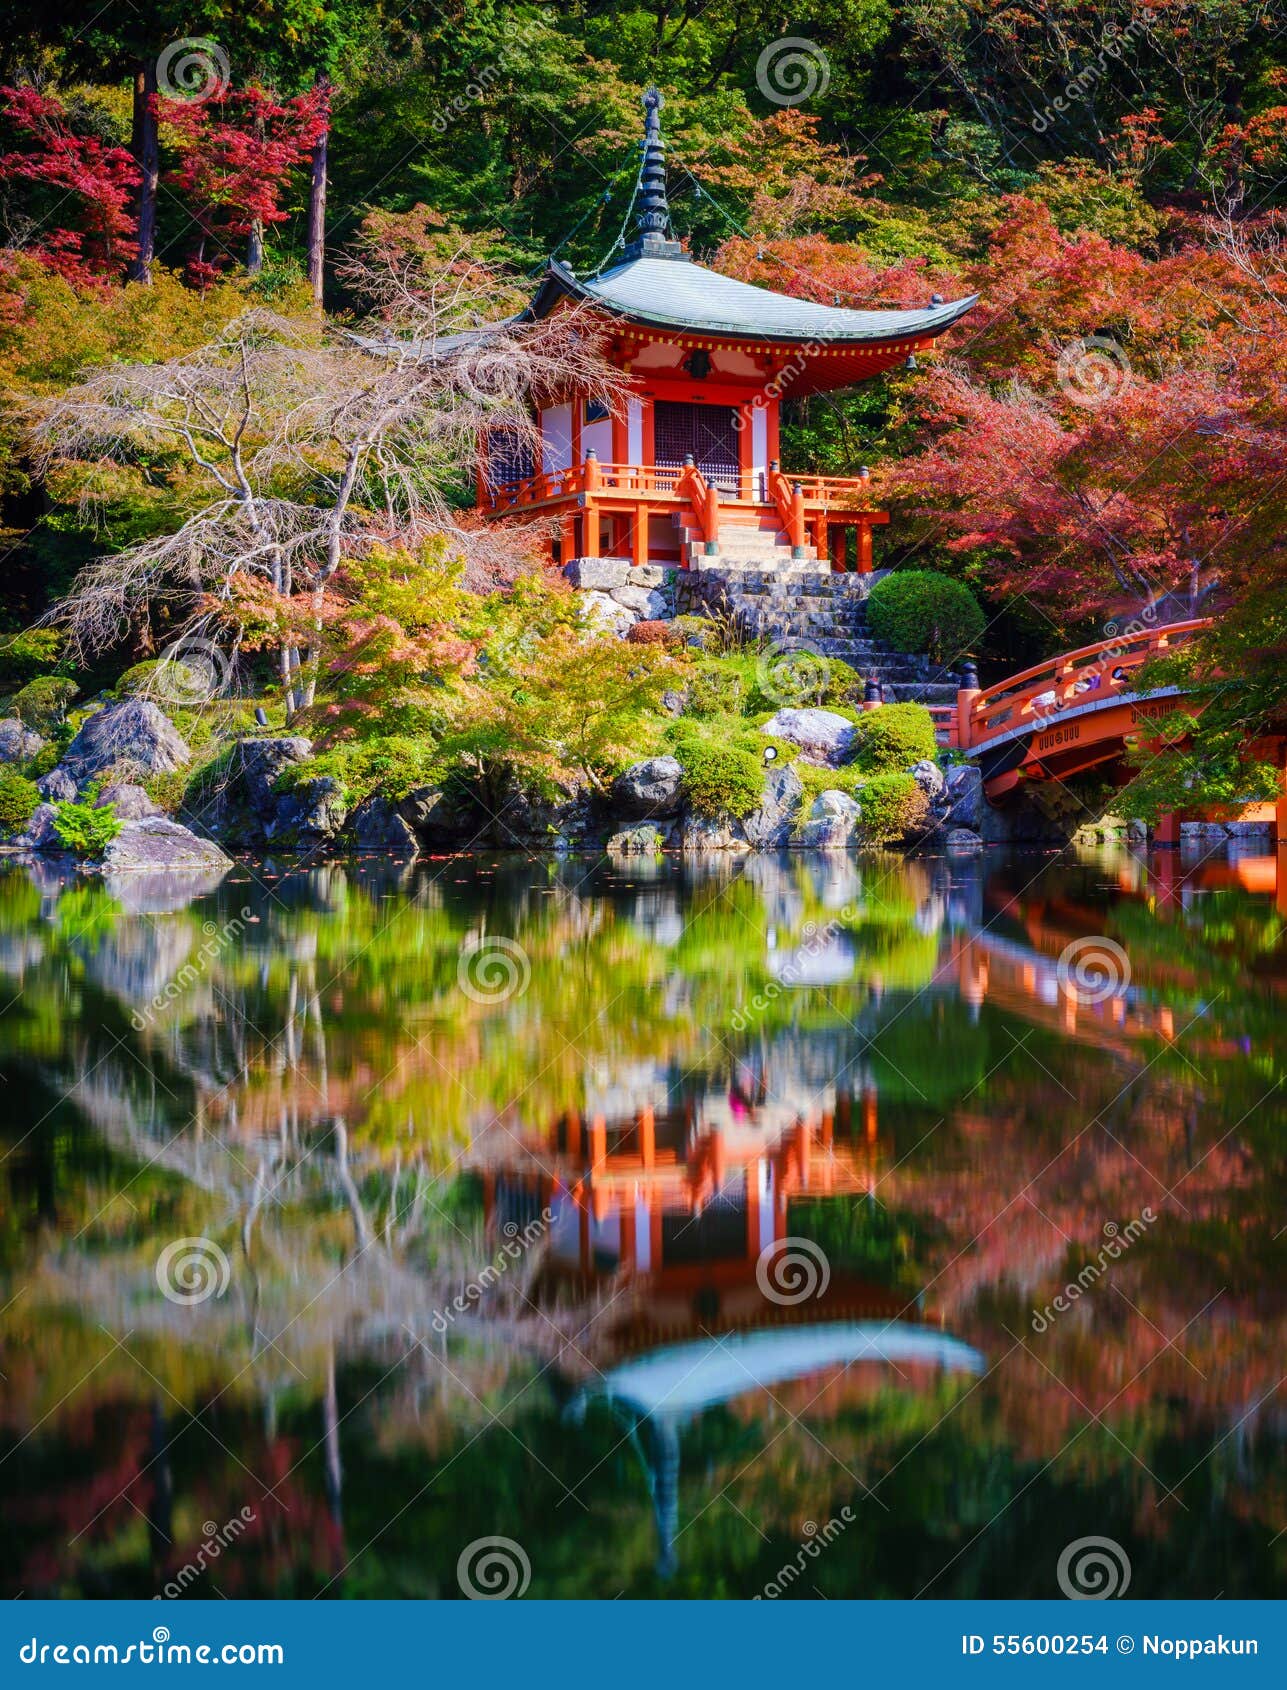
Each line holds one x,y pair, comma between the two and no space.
688,468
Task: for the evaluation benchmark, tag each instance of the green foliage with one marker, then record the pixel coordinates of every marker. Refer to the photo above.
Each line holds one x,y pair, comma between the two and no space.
86,829
723,773
42,703
23,656
890,805
18,798
919,610
893,738
392,766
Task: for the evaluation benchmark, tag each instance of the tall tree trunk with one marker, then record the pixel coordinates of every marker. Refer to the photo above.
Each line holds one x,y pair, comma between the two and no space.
317,195
255,241
147,155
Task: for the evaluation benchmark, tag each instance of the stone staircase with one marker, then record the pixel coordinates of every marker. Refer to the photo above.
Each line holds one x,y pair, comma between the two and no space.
742,545
818,610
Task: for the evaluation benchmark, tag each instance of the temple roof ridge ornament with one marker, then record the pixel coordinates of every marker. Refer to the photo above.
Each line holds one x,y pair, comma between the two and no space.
656,237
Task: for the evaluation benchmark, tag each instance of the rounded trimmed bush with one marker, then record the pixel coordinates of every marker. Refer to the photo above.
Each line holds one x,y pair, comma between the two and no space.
18,798
42,703
720,778
890,805
919,610
893,738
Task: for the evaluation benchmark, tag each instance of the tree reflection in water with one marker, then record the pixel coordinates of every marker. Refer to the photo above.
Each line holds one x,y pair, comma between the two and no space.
701,1064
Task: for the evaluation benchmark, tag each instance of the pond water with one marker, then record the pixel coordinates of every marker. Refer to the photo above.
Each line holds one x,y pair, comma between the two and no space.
814,1226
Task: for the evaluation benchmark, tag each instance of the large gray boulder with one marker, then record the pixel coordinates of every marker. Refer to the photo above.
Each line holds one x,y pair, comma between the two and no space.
376,826
646,602
256,764
39,835
963,841
134,734
963,796
822,735
131,803
770,827
831,822
57,787
155,844
702,833
308,815
929,777
650,788
17,741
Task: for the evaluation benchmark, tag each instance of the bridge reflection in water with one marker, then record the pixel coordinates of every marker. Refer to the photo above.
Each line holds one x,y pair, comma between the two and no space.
675,1213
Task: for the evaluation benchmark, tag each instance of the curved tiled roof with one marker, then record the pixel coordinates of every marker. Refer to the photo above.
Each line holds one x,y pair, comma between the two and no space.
676,293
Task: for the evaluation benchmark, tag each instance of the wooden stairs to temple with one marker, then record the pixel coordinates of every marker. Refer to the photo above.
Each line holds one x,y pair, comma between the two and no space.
744,544
814,609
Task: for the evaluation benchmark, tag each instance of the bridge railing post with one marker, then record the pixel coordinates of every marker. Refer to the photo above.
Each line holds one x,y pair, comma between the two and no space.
966,694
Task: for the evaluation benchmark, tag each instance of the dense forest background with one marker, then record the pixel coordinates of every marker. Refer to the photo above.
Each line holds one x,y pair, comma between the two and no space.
1104,432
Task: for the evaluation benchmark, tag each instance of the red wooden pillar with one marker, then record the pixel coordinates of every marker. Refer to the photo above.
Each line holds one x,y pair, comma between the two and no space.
598,1142
863,562
639,535
820,536
647,1136
1167,831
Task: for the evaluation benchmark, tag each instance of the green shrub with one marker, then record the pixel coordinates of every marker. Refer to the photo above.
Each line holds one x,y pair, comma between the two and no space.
717,687
890,805
893,737
42,703
18,798
85,829
723,780
723,766
392,765
920,610
24,655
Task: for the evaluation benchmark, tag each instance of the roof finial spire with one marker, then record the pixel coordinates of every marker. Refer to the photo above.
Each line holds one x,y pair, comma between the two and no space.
655,238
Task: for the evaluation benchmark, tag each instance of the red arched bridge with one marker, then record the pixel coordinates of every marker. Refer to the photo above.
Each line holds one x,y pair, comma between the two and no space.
1076,712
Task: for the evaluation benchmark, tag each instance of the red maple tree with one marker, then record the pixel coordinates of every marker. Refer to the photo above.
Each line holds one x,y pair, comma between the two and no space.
238,150
91,239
